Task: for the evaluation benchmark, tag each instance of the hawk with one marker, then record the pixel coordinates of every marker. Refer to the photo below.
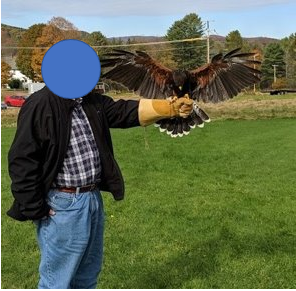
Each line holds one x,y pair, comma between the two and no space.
223,78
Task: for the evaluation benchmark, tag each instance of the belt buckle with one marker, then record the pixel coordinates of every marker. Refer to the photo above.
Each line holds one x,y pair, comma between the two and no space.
93,187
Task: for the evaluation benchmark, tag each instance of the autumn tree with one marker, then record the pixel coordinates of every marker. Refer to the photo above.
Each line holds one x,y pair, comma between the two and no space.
56,30
5,73
50,35
24,55
68,29
187,55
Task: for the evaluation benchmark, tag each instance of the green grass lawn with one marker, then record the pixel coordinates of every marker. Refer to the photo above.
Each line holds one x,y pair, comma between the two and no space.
214,209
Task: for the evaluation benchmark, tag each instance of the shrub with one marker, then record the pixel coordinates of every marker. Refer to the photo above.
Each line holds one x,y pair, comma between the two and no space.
15,84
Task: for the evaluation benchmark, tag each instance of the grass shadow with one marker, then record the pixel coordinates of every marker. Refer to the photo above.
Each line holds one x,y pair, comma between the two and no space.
201,264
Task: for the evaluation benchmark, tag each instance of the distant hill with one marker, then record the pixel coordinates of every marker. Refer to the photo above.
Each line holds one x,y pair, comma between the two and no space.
260,40
10,36
14,32
138,38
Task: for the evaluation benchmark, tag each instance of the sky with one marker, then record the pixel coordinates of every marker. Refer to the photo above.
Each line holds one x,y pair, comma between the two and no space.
252,18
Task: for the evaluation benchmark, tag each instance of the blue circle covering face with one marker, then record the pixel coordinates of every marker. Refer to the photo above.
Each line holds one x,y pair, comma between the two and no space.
71,68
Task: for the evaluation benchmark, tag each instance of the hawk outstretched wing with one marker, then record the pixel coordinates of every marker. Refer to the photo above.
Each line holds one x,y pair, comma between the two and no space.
223,78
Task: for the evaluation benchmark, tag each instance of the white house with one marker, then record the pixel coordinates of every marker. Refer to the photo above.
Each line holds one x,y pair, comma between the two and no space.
16,74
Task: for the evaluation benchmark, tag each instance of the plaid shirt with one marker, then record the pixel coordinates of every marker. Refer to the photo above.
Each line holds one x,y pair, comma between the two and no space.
81,165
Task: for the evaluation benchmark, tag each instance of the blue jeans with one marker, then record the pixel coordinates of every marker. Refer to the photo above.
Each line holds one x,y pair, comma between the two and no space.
71,241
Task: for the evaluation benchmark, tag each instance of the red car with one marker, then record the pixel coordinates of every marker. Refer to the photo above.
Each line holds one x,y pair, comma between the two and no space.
17,101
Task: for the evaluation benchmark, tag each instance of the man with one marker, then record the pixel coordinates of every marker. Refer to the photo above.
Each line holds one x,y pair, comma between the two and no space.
60,160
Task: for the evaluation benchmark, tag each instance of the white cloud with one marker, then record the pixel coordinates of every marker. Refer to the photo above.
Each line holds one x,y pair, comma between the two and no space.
128,7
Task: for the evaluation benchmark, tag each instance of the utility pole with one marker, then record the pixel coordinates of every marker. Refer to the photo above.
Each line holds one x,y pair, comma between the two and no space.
208,41
274,73
254,74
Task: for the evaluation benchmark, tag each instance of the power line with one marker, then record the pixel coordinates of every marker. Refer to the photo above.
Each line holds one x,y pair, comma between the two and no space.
152,43
121,45
176,49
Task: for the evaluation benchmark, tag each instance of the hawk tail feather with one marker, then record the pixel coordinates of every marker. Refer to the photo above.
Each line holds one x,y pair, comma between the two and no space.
178,126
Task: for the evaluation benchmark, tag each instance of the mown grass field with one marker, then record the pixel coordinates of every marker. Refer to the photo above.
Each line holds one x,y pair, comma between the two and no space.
215,209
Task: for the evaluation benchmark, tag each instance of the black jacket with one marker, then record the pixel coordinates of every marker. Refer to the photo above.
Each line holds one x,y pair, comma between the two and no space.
41,141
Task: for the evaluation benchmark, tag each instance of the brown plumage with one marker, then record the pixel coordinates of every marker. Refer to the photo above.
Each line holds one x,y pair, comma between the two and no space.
223,78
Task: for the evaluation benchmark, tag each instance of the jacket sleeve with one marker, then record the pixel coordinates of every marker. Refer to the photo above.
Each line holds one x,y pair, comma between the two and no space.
25,168
121,113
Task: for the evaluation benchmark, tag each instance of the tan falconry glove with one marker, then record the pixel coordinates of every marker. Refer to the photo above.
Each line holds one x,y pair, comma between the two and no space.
152,110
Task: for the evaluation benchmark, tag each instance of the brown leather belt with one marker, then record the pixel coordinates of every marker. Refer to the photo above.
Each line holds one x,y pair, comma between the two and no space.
77,190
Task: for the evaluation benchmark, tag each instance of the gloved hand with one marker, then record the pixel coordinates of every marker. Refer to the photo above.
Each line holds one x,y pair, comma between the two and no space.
152,110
